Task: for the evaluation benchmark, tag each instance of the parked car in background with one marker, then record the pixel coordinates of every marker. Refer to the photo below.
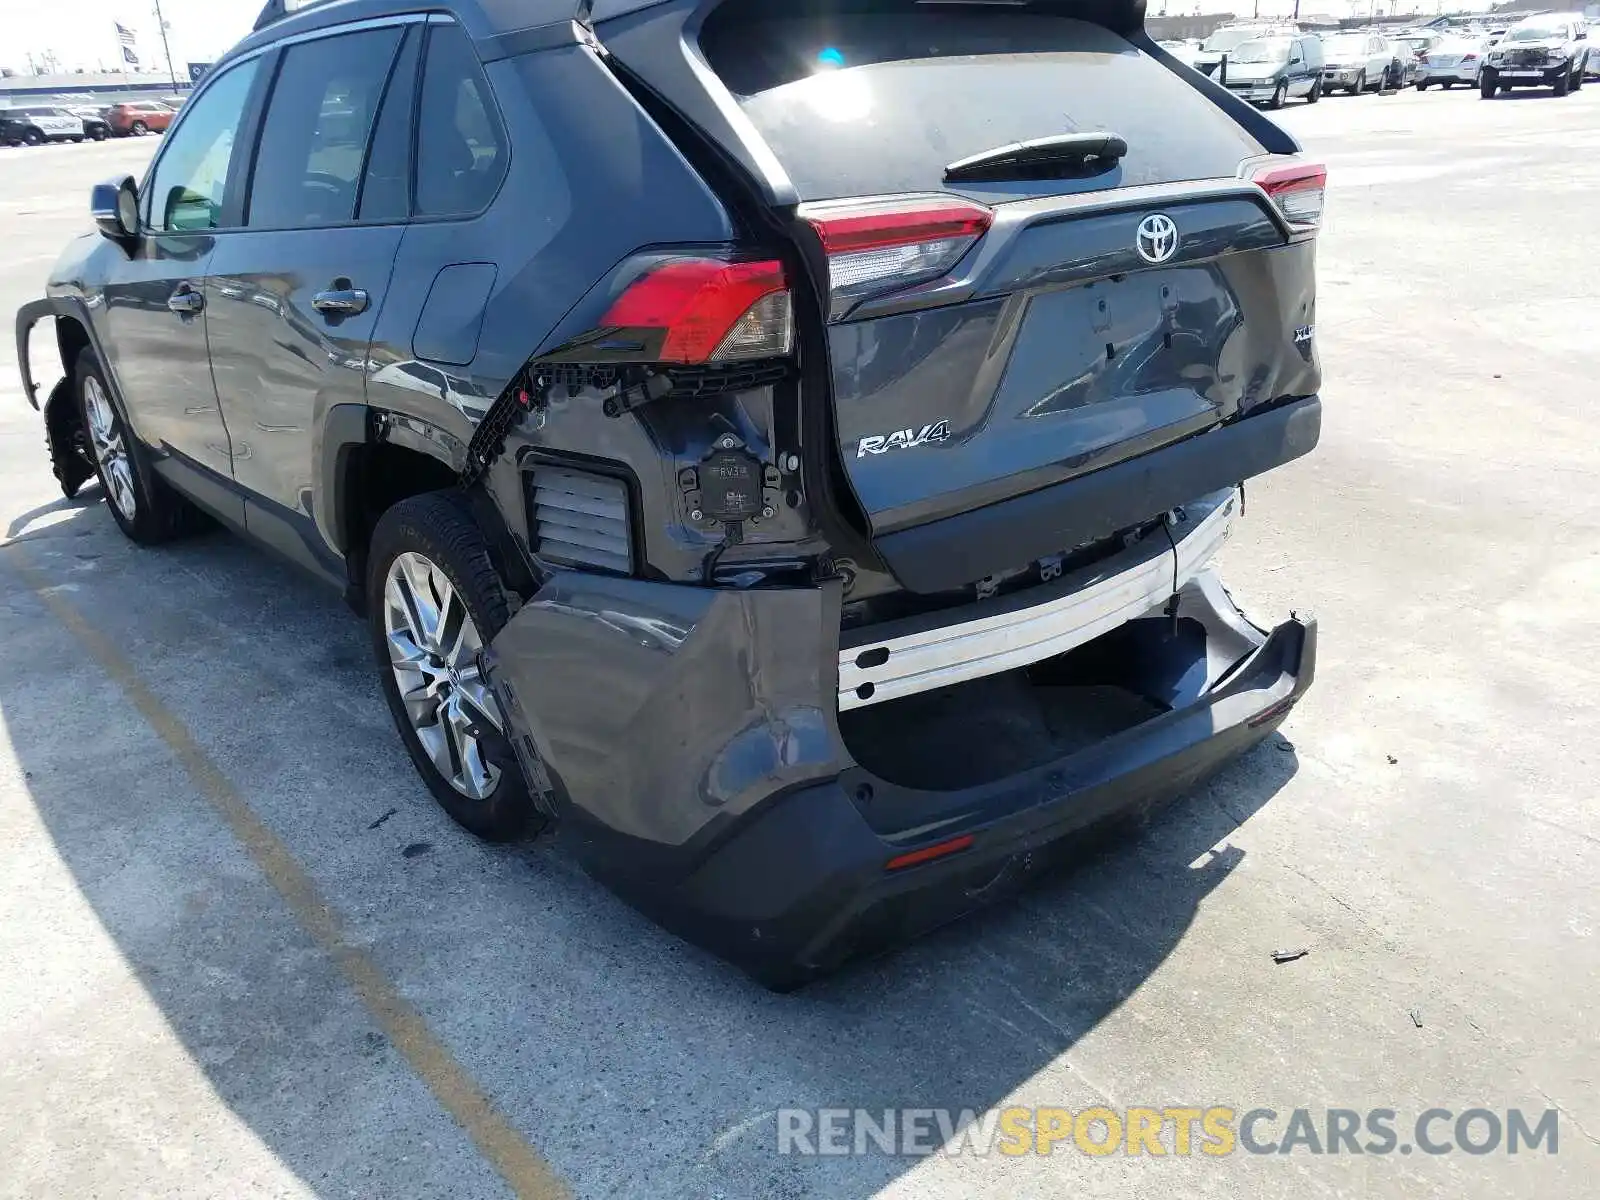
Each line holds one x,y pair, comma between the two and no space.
1452,61
36,125
139,117
95,126
1185,50
1355,61
1230,37
1549,50
812,517
1418,41
1271,70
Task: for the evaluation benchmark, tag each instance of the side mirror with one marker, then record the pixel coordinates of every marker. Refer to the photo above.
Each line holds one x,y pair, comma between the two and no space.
115,207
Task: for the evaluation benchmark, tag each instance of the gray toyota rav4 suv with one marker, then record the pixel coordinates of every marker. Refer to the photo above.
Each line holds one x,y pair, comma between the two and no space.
782,443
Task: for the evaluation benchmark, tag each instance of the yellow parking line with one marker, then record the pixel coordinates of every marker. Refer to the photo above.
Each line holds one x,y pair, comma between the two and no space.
506,1149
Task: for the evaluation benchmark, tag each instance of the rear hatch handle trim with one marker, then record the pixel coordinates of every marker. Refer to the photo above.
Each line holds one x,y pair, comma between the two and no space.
1011,218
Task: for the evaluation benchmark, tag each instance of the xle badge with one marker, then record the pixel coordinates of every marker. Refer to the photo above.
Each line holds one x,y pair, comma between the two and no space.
903,439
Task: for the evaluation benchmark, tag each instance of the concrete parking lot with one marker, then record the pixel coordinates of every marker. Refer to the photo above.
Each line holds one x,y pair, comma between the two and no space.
245,954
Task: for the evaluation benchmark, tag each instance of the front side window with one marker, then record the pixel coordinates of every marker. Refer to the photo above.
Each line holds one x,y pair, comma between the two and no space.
461,146
186,189
314,139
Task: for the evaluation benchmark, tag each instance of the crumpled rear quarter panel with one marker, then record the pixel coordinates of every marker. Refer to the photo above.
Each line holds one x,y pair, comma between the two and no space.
663,713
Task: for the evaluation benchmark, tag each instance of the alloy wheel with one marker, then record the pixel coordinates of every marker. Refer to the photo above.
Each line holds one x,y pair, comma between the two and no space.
433,649
109,448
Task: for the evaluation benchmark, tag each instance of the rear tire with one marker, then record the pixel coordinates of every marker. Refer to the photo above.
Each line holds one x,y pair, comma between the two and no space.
432,592
143,505
1422,86
33,138
1486,89
139,129
1315,93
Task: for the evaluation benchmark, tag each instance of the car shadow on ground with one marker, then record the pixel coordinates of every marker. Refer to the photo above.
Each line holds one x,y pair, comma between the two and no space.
571,1011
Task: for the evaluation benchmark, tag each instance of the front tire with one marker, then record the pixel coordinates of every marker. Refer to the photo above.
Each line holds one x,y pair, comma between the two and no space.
1563,84
434,600
139,129
1279,95
1486,87
145,508
1360,85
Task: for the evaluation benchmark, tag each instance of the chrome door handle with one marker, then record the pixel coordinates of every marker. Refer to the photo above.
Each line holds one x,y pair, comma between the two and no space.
341,301
186,301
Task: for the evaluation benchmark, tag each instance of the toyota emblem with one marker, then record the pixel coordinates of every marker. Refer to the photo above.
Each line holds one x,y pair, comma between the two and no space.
1157,239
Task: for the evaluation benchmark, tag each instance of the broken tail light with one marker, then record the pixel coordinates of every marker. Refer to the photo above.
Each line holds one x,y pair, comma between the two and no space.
880,246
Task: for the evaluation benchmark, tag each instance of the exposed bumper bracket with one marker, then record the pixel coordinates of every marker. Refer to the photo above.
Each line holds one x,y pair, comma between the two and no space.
902,661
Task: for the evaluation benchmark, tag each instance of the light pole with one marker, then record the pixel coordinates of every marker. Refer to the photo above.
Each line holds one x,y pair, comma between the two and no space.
167,49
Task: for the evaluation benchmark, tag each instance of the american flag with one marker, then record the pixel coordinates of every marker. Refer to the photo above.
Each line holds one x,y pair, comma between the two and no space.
127,37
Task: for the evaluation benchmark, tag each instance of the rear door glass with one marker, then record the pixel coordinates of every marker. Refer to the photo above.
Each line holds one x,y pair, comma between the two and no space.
872,103
461,148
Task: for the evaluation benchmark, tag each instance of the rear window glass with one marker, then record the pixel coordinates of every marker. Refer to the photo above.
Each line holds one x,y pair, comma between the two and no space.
865,104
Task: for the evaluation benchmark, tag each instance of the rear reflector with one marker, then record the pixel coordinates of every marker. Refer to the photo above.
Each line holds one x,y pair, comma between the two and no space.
709,310
929,853
1297,188
880,246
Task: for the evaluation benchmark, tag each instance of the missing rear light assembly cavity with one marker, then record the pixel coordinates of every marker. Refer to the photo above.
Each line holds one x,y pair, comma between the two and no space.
730,486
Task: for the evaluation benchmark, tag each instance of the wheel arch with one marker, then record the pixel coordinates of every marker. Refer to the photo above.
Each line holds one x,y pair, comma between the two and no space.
370,459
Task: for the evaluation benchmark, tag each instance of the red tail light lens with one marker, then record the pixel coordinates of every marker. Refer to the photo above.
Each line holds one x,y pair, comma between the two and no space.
709,310
880,246
1297,188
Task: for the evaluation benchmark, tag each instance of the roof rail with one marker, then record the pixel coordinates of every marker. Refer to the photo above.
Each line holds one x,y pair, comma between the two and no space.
277,10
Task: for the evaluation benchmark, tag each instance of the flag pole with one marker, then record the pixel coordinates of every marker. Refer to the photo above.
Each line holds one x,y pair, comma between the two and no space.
167,49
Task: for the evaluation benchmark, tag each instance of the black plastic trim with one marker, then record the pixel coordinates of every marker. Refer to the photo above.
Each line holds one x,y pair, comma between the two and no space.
956,551
29,315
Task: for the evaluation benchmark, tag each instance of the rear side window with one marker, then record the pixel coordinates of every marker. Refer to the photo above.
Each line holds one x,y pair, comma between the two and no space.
314,140
461,145
386,190
870,103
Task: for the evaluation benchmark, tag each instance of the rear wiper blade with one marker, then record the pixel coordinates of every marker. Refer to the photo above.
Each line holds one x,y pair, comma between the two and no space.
1064,148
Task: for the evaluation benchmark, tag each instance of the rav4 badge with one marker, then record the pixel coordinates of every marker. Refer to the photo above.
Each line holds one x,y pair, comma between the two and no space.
903,439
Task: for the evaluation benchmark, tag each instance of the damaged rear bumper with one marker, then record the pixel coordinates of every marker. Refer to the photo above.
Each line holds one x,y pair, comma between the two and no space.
689,740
